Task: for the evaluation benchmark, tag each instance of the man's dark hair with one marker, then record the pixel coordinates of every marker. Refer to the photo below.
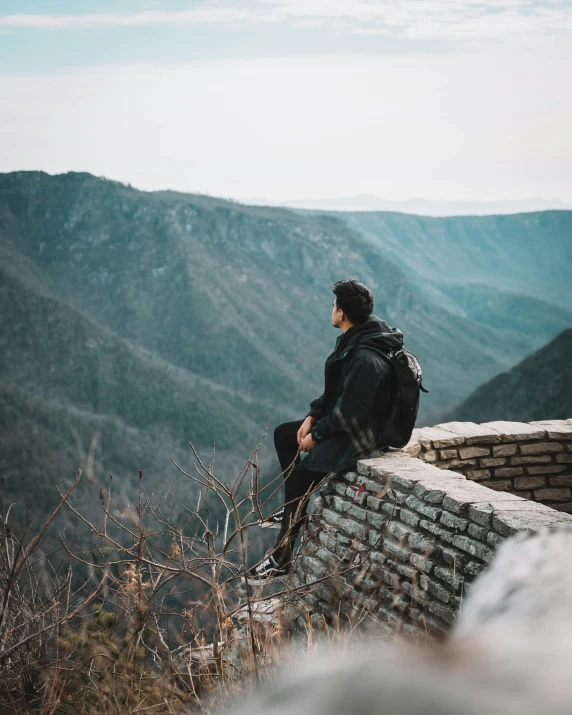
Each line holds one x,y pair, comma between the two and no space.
354,299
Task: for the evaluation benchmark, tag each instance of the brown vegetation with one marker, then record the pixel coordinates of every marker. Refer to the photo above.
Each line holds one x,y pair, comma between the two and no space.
149,614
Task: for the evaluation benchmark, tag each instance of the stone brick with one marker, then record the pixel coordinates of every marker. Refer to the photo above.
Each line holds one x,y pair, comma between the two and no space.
565,480
315,566
492,461
332,517
474,568
551,469
354,528
420,543
529,482
376,519
415,593
396,496
421,563
478,474
479,532
409,572
453,557
457,463
328,541
462,494
327,557
552,494
555,429
448,453
523,494
494,539
373,503
453,521
481,513
387,577
565,458
435,588
378,557
499,485
435,437
387,615
468,452
420,507
532,459
429,455
472,547
450,577
429,494
472,432
409,517
516,431
392,510
541,448
343,506
400,531
395,550
375,539
413,449
504,450
508,472
339,488
507,523
437,531
446,613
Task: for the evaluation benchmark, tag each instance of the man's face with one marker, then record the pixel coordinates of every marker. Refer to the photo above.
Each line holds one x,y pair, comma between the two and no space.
337,314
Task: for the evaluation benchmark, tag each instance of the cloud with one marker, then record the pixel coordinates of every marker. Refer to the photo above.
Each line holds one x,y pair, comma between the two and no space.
402,19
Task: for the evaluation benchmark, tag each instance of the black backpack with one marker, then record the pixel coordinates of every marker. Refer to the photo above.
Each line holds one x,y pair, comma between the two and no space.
405,399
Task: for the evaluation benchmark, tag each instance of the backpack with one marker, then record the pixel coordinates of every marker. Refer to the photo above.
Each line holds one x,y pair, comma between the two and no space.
405,399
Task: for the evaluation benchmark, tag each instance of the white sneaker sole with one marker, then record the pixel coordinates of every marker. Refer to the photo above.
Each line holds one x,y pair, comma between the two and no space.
257,581
268,525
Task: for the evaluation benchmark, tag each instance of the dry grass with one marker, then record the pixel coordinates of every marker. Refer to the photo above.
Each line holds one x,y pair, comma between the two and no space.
151,615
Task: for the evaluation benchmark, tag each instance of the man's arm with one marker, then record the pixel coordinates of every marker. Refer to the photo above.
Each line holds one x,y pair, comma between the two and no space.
354,404
316,408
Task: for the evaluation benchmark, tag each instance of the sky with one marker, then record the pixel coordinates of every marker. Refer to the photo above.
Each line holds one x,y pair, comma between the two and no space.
293,99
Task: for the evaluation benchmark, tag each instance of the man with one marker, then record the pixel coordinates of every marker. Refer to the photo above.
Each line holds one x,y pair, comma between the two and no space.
343,425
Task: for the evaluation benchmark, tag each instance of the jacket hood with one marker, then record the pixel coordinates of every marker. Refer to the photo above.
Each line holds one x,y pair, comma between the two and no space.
374,333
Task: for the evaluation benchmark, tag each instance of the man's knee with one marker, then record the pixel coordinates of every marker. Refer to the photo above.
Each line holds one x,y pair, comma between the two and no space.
282,432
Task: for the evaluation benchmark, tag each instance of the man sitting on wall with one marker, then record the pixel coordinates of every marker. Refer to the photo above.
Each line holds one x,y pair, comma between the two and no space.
343,425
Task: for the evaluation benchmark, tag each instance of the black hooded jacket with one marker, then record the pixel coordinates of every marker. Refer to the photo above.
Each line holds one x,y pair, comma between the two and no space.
358,389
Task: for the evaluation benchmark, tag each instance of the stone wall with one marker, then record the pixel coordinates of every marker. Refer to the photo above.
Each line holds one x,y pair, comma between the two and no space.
404,535
529,459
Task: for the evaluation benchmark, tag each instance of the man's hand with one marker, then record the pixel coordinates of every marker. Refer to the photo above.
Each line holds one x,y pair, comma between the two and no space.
305,428
307,443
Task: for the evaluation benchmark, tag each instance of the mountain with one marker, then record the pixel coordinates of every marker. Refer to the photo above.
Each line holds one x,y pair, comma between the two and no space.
424,207
153,319
524,321
529,253
538,388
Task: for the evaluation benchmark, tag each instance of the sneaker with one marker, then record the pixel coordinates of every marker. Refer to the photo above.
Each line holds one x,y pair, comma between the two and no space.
274,521
268,569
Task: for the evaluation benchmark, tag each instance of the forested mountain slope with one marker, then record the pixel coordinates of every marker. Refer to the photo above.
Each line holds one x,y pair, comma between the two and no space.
538,388
177,317
529,253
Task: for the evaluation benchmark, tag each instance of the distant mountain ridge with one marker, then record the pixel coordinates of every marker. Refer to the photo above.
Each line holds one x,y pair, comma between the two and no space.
538,388
420,206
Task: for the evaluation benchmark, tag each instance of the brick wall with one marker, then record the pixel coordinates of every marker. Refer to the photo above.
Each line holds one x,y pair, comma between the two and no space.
403,536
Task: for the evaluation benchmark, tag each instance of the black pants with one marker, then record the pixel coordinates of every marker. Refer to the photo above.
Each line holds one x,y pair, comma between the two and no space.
296,485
